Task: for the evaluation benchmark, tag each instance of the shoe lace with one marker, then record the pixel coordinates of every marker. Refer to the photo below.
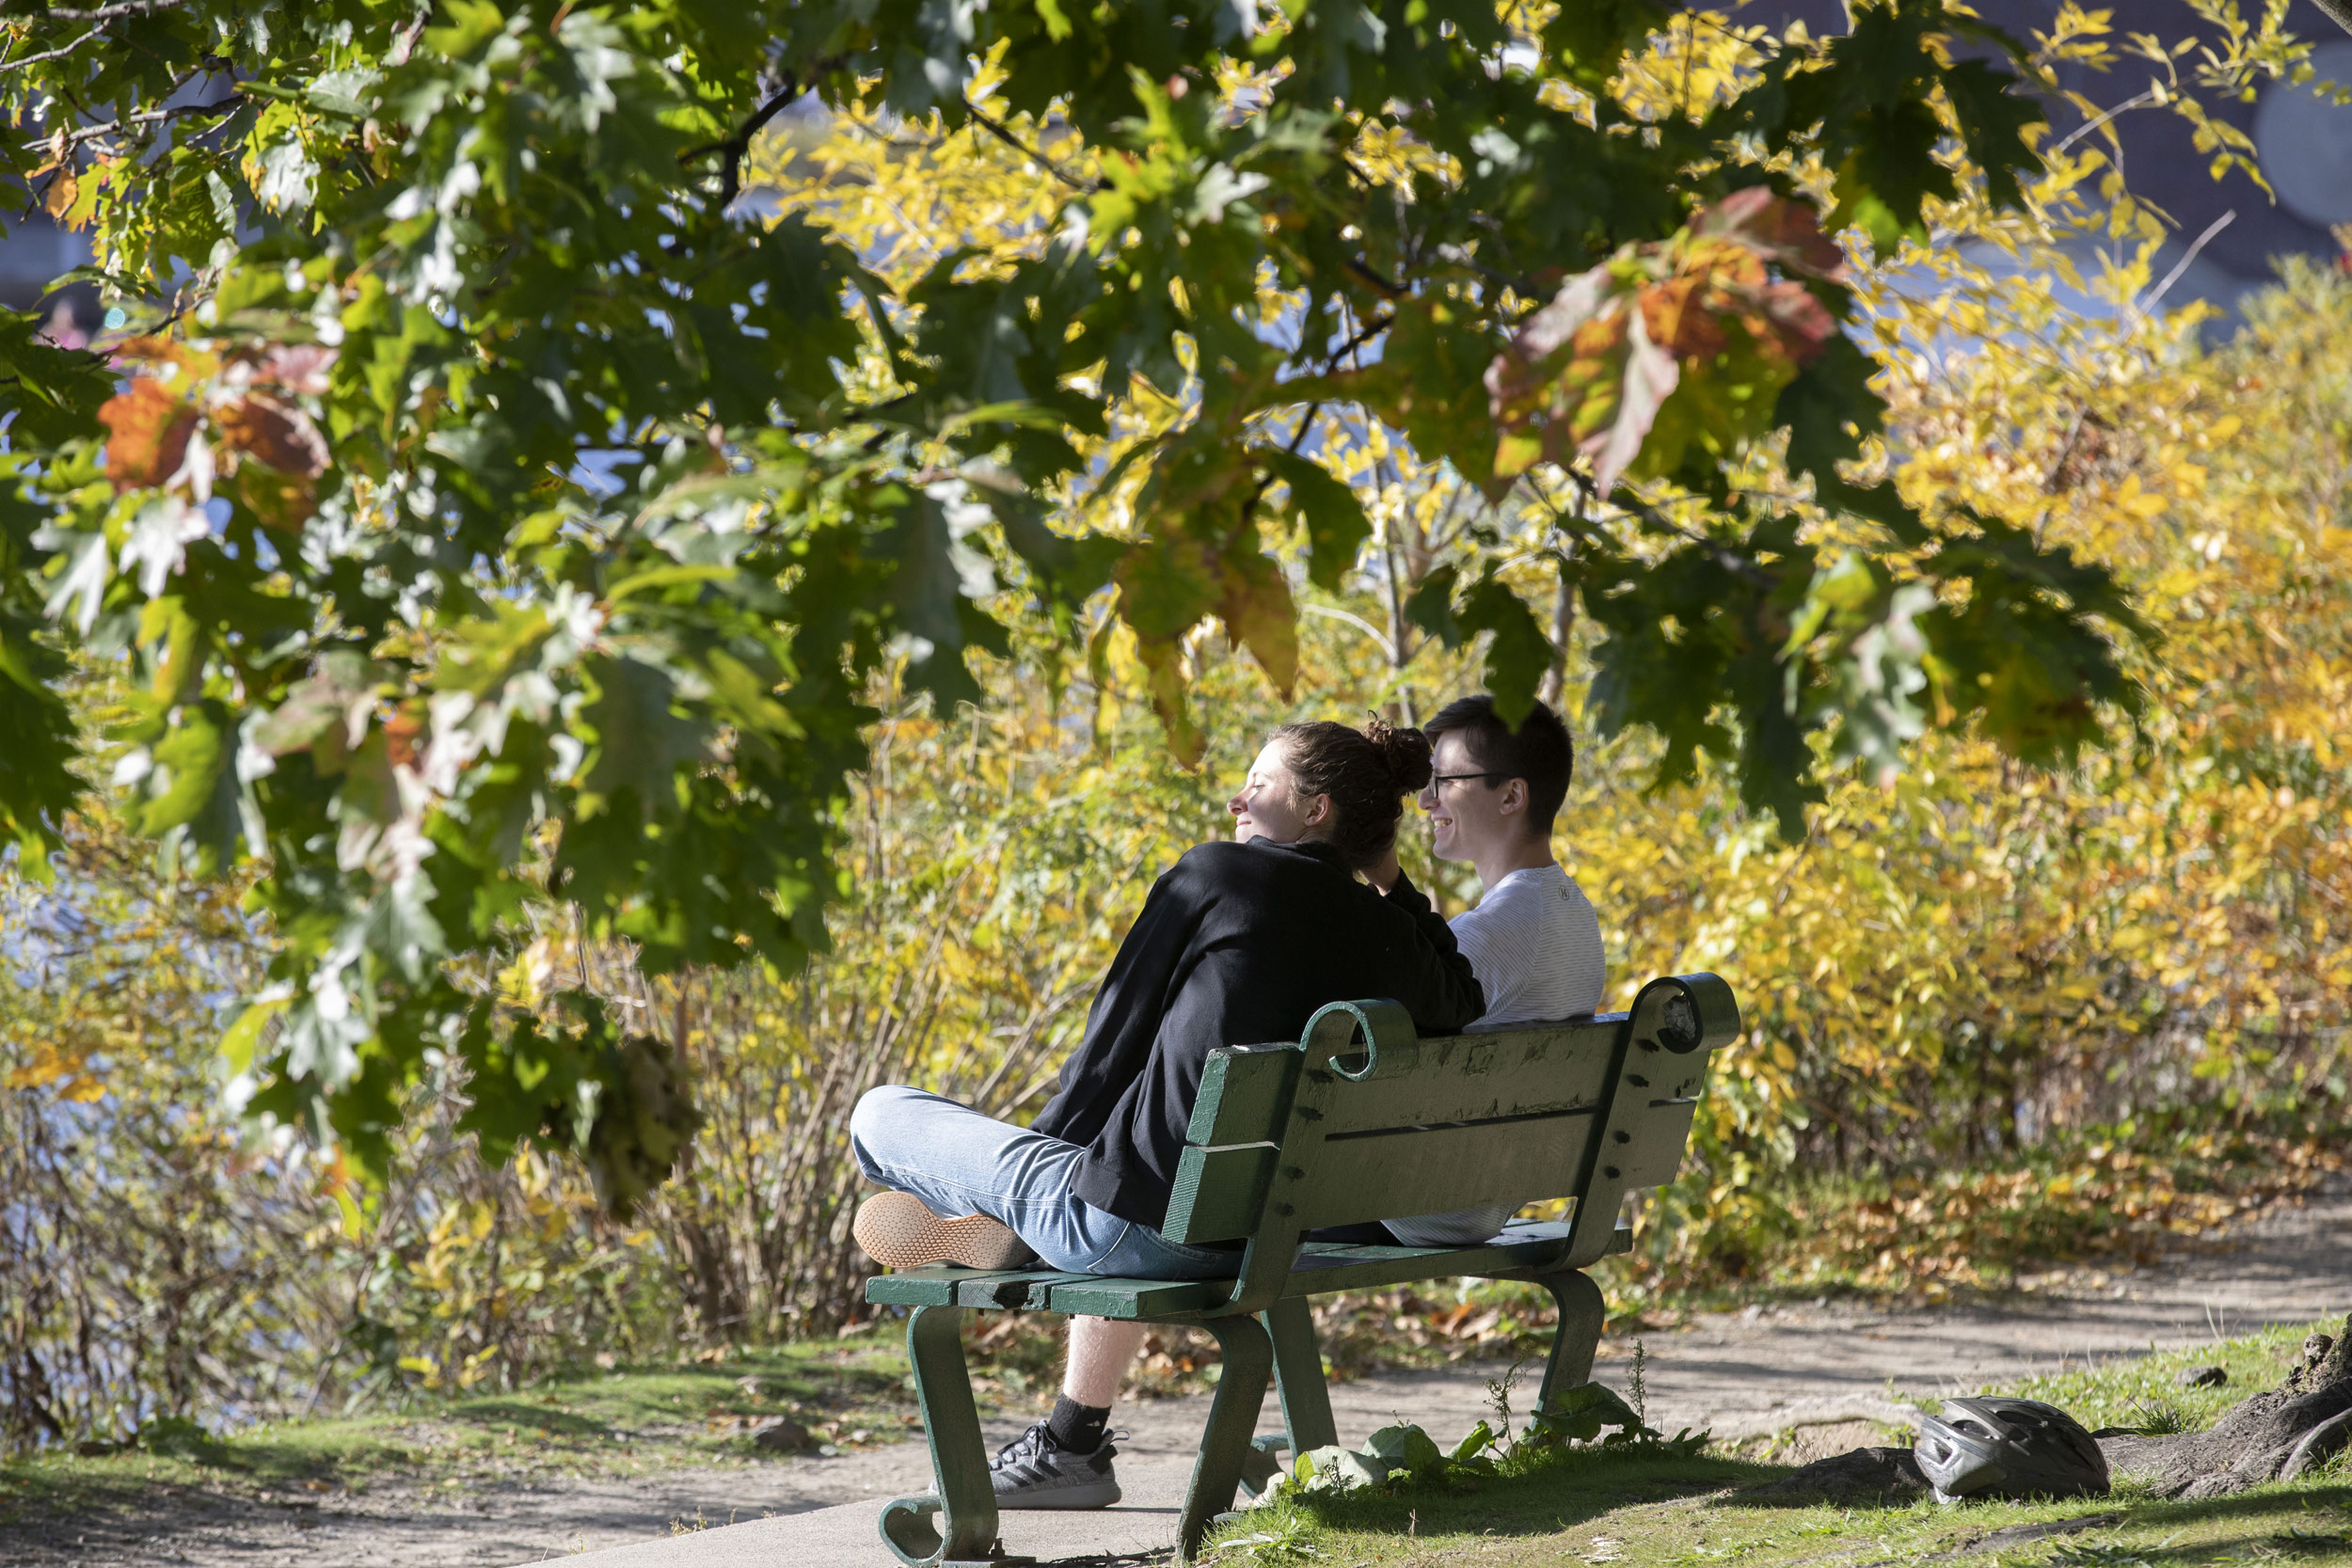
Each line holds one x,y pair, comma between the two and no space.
1028,1450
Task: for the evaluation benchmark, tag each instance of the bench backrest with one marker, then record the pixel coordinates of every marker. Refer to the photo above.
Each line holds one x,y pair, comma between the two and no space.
1360,1120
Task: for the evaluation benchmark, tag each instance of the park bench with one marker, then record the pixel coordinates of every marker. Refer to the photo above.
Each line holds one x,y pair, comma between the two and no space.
1359,1121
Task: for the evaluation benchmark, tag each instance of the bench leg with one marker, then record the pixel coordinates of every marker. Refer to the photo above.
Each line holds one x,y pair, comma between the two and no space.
1233,1418
961,1498
1298,1375
1582,1314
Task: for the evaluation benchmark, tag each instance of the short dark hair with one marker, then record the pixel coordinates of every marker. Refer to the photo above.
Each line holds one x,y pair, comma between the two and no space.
1540,750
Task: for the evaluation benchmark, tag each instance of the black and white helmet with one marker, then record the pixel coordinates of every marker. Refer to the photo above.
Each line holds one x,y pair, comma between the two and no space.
2004,1447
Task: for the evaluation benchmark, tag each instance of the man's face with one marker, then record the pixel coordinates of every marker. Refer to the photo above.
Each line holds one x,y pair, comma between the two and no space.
1466,814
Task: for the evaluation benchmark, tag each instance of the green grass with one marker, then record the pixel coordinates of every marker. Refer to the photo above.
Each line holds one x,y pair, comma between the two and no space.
630,1420
1643,1508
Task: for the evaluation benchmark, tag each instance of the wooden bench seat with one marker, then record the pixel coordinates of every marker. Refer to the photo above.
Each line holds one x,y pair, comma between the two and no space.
1360,1121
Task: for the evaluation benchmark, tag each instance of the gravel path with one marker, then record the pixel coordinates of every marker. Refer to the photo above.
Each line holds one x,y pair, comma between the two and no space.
1822,1370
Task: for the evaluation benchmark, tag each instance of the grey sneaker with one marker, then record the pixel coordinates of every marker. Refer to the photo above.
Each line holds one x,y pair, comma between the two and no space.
1034,1471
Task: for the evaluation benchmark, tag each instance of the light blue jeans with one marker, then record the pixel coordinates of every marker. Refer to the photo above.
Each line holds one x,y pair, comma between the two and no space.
959,1162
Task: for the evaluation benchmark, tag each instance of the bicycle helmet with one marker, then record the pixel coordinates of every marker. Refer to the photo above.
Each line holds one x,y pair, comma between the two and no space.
2005,1447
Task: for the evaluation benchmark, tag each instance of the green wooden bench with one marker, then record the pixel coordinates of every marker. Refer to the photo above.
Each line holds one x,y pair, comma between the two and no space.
1360,1120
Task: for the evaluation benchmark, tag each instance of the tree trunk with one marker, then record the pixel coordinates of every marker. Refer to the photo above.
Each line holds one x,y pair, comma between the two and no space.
2270,1436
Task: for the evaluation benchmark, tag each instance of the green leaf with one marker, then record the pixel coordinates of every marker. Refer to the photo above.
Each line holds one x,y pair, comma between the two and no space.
637,741
38,785
1334,519
48,395
1519,654
1430,607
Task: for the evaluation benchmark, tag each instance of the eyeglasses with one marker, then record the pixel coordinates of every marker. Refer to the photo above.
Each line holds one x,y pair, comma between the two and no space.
1456,778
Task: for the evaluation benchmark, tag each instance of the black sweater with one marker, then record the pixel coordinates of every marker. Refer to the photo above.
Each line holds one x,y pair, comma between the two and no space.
1238,945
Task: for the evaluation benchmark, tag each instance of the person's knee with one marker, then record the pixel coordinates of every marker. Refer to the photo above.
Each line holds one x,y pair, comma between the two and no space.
870,1121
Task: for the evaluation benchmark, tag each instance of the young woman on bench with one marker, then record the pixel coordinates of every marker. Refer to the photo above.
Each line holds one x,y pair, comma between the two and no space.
1239,943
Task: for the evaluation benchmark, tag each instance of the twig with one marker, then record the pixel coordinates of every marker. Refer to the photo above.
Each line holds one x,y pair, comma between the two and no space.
108,13
736,145
1002,134
2339,12
2146,95
1370,330
2216,226
55,53
145,117
1358,621
1379,284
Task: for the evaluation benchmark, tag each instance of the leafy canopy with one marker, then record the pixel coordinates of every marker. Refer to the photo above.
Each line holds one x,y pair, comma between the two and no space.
502,514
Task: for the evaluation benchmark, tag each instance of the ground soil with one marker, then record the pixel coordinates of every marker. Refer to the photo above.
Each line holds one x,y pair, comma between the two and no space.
1790,1383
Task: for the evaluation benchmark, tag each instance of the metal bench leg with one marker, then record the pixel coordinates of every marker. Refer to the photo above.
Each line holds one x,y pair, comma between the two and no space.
1232,1417
1298,1375
961,1498
1582,1314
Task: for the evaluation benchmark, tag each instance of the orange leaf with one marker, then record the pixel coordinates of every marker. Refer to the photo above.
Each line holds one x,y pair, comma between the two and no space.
149,429
57,199
1678,318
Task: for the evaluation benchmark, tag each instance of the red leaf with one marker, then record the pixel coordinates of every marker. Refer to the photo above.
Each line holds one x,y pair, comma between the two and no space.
1782,230
273,434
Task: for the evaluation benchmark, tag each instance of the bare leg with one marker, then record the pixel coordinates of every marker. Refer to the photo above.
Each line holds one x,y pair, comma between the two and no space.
1101,1350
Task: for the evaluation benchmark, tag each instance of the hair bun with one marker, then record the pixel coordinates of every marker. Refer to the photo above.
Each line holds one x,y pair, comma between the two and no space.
1405,750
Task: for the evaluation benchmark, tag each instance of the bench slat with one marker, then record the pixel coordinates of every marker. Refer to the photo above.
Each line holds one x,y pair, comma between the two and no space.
1010,1290
1383,1176
1102,1297
1484,1078
1244,1096
931,1287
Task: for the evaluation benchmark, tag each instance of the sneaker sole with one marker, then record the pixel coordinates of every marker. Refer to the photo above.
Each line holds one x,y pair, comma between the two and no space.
1101,1496
898,1232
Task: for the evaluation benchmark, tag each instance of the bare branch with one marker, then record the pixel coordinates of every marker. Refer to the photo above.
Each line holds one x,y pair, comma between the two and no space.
734,147
2339,12
1002,134
58,53
109,14
146,117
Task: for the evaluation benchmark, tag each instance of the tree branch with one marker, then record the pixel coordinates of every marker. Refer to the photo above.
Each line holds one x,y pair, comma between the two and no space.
58,53
2339,12
109,14
1002,134
145,117
738,145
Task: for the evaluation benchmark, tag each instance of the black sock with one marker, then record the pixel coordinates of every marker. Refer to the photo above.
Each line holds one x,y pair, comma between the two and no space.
1077,1428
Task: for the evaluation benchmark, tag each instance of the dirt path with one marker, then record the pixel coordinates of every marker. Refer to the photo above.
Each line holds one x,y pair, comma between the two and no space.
1821,1369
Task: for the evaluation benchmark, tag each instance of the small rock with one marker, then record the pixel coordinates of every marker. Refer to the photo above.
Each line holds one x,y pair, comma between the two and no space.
781,1436
2201,1377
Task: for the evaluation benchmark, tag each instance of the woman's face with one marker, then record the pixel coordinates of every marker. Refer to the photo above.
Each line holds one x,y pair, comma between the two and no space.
1268,806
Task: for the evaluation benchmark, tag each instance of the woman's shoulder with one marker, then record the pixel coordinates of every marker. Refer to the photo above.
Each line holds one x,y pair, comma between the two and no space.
1224,863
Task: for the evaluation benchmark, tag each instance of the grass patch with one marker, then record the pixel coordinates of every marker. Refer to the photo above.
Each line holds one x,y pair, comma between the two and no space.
626,1421
1641,1506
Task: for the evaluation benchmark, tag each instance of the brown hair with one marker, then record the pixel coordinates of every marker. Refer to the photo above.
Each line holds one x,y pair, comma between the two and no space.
1367,773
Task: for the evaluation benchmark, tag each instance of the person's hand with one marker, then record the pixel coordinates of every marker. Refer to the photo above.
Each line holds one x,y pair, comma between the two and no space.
1383,876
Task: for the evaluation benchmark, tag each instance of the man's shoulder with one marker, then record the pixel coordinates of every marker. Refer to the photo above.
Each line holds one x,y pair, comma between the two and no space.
1544,909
